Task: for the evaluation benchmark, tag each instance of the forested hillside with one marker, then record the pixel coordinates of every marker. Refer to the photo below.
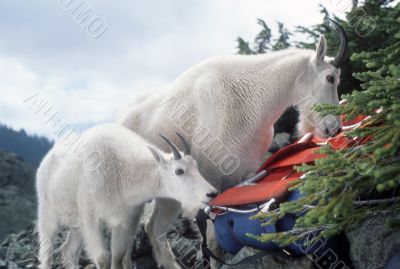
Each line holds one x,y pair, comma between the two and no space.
31,148
17,194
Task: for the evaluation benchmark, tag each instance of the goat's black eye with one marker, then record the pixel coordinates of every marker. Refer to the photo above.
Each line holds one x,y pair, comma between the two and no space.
179,172
330,79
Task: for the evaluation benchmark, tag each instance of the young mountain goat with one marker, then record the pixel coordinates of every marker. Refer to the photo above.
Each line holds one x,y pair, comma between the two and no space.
226,108
111,194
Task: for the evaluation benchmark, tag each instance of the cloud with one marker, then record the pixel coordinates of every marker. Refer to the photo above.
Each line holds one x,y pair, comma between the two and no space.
80,105
147,43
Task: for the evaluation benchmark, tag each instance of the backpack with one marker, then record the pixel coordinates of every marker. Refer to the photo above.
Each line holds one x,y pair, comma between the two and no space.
231,211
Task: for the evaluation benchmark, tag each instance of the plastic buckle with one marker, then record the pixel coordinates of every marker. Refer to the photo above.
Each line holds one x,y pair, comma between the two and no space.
267,205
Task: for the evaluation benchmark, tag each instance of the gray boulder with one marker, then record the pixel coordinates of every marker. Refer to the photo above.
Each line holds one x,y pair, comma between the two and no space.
20,250
371,245
274,261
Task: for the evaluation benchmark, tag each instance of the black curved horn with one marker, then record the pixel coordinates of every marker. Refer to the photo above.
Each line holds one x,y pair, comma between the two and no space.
174,149
343,44
186,149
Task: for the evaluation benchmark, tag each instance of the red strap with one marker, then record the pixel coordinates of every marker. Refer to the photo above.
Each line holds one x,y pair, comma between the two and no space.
304,156
253,193
357,119
281,172
287,151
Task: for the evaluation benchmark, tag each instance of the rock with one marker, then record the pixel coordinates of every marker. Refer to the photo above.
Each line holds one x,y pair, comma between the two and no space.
394,262
12,265
183,239
142,252
20,250
186,246
371,245
274,261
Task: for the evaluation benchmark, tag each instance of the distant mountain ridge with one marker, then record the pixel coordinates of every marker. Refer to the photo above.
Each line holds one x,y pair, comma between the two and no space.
31,148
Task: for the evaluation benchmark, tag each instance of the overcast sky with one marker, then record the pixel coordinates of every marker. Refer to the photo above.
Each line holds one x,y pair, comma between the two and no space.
43,49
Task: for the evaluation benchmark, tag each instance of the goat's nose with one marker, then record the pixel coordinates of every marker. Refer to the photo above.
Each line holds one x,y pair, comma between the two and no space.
335,131
326,131
212,194
332,132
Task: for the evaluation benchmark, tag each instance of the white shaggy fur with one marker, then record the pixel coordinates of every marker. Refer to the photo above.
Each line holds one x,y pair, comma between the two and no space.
110,193
226,107
237,98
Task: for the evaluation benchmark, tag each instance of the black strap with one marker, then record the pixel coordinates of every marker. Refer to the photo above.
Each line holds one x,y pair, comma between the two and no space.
201,221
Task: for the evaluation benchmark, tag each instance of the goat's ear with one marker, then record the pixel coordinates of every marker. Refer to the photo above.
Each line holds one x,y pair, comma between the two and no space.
322,47
156,154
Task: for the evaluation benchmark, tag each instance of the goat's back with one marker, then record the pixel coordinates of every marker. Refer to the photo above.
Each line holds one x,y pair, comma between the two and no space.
68,184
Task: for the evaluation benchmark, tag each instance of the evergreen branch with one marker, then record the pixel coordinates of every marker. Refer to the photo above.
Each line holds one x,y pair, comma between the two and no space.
377,201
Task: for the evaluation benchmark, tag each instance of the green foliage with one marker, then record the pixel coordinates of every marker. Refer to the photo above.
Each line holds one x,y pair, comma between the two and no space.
262,41
263,38
243,47
369,28
17,194
15,171
282,42
353,184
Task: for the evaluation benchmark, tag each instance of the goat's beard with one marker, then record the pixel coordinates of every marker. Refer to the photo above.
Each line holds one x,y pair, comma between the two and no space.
304,126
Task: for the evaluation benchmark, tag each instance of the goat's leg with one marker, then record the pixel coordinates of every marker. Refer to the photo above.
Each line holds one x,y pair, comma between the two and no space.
95,242
122,238
71,249
121,241
164,213
47,227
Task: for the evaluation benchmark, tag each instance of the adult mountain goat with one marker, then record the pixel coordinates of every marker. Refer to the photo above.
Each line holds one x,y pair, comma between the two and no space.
110,193
226,107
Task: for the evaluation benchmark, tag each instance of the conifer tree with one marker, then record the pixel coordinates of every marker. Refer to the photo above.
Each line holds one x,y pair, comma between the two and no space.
368,29
353,184
282,42
262,41
263,38
243,47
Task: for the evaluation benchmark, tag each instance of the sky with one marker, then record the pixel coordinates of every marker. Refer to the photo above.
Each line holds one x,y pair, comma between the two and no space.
86,70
